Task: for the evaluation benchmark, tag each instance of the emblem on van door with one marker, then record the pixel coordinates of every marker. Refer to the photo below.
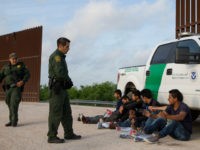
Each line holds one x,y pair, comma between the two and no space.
193,75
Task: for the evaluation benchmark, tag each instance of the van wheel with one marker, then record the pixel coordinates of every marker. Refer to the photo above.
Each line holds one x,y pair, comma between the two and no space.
129,88
195,114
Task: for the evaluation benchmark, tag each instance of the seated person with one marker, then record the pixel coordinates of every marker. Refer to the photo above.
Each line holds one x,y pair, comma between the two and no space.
120,115
135,121
126,123
136,102
95,119
135,105
118,95
179,124
123,111
148,102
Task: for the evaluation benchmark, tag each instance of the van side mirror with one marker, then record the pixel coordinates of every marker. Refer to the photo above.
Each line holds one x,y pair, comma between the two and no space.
182,55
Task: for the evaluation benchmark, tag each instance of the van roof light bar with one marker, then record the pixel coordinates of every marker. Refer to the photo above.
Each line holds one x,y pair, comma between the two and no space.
185,34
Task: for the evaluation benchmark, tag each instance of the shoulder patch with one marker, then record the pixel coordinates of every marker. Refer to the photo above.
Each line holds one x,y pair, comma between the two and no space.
57,58
18,66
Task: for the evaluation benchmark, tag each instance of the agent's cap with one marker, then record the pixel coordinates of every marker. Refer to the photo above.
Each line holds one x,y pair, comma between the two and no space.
13,55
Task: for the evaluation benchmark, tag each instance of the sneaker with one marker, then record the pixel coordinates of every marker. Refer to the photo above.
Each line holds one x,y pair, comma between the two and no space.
125,130
125,136
79,117
8,124
112,125
152,139
84,119
101,120
106,125
99,125
139,132
133,133
55,140
73,137
138,139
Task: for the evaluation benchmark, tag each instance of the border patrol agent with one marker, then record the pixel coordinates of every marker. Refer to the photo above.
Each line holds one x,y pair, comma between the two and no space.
15,75
59,105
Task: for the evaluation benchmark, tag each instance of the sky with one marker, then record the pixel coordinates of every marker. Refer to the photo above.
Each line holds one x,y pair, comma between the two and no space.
105,34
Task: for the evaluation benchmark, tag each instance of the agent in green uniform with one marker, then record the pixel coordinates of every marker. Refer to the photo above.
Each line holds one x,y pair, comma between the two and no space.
59,105
14,76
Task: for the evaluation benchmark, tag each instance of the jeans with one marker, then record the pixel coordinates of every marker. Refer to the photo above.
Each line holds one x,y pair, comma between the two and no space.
176,130
149,121
153,125
94,120
126,123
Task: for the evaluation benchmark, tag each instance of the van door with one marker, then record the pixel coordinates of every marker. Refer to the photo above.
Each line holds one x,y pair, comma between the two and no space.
156,71
184,77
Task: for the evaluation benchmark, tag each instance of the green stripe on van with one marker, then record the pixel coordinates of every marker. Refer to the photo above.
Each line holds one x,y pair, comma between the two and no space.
153,81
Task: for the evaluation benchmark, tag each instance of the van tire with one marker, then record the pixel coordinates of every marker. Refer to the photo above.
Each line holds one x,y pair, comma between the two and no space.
129,87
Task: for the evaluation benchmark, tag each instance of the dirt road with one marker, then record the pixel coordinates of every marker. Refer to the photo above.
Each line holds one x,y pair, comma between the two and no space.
32,130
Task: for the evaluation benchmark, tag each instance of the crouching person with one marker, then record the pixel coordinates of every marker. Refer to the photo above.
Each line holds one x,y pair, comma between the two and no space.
179,124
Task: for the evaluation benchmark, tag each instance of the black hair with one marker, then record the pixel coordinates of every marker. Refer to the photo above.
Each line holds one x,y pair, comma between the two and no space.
118,92
136,93
62,41
133,109
146,93
125,97
176,94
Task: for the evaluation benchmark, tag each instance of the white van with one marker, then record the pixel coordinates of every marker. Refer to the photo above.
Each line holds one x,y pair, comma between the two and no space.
172,65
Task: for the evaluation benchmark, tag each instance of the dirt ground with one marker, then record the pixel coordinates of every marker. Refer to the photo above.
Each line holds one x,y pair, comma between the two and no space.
32,130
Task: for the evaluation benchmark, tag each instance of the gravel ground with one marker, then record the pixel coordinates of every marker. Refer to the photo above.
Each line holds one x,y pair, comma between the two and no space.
32,130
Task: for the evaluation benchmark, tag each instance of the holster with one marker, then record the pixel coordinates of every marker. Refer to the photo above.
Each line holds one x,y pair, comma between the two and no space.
68,84
55,85
7,87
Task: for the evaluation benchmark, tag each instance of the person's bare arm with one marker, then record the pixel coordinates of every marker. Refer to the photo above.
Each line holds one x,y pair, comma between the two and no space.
149,115
178,117
121,109
154,108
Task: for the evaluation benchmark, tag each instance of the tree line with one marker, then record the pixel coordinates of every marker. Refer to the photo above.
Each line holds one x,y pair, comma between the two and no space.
97,91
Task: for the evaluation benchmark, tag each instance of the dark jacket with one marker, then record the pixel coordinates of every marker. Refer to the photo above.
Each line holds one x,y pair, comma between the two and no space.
125,114
58,66
119,104
134,105
14,73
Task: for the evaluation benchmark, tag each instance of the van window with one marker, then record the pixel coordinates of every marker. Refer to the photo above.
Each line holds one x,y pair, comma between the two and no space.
191,44
193,48
164,54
